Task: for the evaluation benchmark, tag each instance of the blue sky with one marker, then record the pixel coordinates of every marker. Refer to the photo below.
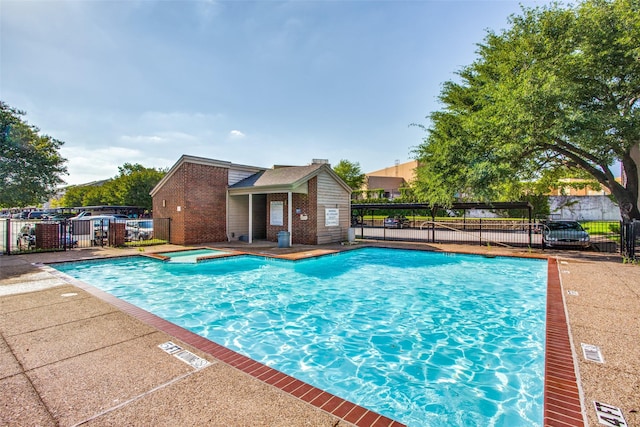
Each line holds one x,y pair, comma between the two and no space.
251,82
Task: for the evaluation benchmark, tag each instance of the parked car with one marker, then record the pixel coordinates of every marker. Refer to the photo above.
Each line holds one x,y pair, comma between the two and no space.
61,216
27,237
565,234
94,228
81,215
36,215
396,222
139,230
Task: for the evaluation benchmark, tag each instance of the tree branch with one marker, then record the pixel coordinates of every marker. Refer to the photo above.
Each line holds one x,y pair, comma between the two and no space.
604,176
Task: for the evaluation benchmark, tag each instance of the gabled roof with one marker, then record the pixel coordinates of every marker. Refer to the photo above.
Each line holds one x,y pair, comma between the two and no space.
284,179
201,161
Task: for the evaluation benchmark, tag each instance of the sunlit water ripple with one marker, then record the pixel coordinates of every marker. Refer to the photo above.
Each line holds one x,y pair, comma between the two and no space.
428,339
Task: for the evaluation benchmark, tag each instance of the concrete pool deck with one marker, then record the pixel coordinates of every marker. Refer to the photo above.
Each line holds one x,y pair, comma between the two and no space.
68,357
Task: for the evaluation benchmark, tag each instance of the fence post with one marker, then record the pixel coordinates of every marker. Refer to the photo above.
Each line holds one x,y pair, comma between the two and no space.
63,234
622,238
8,239
632,230
480,231
433,227
384,230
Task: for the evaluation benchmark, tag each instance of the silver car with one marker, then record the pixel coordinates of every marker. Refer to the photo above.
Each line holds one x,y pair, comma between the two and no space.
139,230
565,234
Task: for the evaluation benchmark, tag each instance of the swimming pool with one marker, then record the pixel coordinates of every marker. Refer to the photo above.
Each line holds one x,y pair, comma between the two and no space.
424,338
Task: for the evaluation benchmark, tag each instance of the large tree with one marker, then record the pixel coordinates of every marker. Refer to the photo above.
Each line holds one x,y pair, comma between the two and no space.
130,187
134,183
557,93
30,164
350,173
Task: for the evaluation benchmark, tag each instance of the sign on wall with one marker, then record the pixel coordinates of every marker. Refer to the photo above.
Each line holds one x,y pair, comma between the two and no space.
276,216
331,217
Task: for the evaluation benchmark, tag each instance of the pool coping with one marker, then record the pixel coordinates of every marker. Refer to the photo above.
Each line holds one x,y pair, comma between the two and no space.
562,396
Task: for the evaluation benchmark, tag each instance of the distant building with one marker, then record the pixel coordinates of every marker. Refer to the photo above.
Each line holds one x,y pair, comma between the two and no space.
578,187
388,181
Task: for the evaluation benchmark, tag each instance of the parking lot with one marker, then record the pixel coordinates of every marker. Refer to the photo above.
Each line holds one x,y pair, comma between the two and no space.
20,235
515,234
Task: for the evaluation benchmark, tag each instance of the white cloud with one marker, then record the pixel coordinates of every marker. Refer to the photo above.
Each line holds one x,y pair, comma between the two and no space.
86,164
236,134
143,139
159,138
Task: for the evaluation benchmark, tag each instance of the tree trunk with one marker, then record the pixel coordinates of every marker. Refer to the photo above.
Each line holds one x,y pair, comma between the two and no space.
627,196
627,199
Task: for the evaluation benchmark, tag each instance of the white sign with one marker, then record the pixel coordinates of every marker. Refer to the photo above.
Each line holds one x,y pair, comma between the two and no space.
609,415
276,213
331,217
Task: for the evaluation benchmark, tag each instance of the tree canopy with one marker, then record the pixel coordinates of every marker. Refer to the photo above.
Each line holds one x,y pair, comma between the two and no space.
130,187
30,164
350,173
556,94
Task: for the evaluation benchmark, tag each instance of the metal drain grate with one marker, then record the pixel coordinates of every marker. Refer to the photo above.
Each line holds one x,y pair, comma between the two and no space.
592,353
185,355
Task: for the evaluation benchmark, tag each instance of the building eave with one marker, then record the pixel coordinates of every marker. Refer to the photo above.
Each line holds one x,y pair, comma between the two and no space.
185,158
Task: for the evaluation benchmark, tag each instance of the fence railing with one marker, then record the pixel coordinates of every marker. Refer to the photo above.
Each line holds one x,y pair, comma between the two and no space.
631,241
23,236
604,236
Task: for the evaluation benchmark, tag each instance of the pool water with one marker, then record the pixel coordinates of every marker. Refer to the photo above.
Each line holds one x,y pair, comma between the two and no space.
424,338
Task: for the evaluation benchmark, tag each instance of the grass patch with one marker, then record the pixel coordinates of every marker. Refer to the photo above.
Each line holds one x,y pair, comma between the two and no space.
602,227
150,242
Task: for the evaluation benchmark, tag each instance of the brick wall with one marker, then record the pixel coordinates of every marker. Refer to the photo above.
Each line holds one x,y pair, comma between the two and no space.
117,232
200,193
165,204
272,230
47,236
205,209
303,232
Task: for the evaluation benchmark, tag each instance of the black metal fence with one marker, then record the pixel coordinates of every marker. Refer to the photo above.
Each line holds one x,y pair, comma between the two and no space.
603,236
631,241
23,236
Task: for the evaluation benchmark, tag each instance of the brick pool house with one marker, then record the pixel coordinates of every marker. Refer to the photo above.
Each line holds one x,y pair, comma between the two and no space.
208,200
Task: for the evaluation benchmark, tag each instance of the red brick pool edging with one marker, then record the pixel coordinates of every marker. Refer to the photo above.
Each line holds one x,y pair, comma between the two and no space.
562,404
